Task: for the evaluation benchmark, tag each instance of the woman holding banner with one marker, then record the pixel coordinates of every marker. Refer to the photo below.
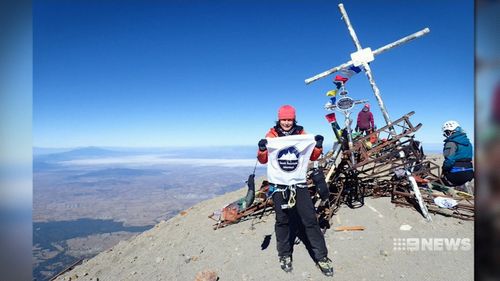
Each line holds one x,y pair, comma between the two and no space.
287,150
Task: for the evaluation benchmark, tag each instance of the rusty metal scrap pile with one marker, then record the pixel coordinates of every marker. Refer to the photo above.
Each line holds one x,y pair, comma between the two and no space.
385,163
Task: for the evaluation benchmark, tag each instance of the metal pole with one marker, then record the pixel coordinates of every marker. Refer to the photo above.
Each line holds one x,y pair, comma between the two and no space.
376,91
328,72
349,26
401,41
348,122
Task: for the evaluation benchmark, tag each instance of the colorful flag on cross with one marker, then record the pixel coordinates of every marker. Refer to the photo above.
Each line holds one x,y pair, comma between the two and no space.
350,71
331,117
340,78
331,93
339,81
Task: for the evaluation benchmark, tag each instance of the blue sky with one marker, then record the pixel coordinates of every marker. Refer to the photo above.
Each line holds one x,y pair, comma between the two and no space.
196,73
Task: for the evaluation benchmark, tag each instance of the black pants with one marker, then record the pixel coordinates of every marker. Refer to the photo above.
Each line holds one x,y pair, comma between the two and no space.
365,131
459,178
456,179
288,221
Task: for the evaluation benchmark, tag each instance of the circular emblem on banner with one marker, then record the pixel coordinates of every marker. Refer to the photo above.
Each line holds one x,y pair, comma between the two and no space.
288,158
345,103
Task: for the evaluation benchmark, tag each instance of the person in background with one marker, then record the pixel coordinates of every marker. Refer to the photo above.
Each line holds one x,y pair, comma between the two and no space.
457,151
365,122
303,211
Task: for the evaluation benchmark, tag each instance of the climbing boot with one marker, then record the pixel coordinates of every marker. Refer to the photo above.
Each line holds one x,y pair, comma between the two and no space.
286,263
325,264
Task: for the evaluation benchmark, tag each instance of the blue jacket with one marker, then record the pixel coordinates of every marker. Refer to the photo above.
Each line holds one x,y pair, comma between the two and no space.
457,147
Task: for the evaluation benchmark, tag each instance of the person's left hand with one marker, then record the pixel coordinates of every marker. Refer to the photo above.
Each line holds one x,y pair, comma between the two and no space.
319,141
262,145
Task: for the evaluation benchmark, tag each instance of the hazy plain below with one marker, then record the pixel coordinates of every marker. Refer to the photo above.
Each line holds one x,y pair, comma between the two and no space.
86,200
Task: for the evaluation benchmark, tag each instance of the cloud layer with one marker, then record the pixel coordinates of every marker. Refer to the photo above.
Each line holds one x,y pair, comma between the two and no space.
148,160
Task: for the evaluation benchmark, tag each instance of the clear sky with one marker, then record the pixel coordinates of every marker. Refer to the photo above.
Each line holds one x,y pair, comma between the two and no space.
182,73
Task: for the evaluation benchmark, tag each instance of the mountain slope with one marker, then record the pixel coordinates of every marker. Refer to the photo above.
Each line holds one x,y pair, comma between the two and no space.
181,247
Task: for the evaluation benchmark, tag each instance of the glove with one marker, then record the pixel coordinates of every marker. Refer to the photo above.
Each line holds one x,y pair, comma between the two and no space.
262,145
319,141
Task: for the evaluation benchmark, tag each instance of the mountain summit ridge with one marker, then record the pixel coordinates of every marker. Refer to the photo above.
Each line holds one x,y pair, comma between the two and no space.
181,247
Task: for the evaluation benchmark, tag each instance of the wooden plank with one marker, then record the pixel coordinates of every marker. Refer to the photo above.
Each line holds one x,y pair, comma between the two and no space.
349,228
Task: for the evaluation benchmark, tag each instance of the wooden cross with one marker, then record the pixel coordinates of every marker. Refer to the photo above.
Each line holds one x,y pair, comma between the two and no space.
363,56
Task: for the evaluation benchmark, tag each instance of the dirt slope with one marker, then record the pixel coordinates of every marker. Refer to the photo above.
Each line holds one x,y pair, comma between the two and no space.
183,246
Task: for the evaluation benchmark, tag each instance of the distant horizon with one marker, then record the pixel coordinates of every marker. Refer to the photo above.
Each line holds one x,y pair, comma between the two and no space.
428,148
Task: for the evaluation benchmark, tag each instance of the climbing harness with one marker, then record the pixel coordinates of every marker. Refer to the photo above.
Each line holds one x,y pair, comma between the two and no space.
287,191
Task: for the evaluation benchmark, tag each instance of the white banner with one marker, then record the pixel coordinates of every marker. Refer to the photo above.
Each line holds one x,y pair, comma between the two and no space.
288,158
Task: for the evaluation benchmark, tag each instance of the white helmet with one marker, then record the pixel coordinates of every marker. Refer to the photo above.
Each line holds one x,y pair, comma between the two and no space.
450,125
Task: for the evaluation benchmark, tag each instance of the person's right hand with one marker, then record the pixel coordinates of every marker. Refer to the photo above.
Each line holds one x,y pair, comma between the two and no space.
262,145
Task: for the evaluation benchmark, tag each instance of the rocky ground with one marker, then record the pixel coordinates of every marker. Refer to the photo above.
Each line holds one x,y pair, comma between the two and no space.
184,246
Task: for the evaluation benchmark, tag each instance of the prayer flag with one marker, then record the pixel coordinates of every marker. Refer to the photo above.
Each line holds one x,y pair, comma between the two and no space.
330,117
341,78
331,93
350,71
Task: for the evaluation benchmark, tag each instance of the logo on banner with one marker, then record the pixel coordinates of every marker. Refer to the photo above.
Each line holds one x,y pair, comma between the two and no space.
288,159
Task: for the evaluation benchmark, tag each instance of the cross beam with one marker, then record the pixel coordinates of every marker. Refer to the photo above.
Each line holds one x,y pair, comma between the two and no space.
375,53
364,56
